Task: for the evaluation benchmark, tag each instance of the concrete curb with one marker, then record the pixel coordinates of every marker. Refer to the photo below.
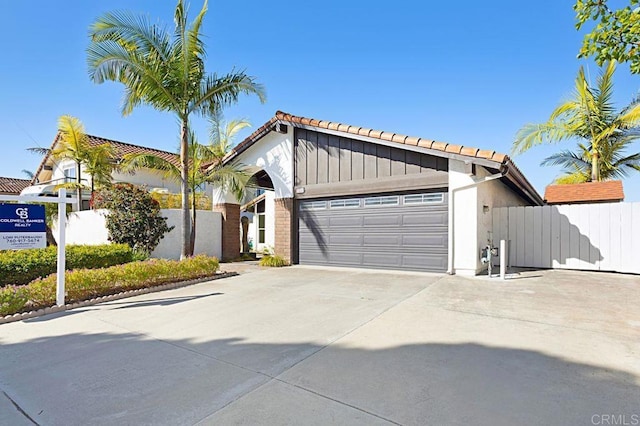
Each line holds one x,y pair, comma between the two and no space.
121,295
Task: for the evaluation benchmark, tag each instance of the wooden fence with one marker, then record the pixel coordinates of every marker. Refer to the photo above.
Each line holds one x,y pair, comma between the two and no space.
597,237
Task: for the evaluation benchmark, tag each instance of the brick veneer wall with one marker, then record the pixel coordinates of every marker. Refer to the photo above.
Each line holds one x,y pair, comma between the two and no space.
283,222
230,229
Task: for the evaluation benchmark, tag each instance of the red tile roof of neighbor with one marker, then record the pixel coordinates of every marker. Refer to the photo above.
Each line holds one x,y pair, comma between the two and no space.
588,192
121,148
13,185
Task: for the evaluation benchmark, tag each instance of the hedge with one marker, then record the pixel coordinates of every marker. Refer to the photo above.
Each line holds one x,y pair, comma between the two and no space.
18,267
84,284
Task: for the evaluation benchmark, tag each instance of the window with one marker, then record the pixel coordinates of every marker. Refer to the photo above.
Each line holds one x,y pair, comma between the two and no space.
352,203
381,201
313,205
261,228
69,174
424,198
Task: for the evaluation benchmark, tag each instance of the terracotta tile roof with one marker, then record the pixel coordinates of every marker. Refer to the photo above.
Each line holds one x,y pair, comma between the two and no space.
13,185
121,148
392,137
376,134
446,148
589,192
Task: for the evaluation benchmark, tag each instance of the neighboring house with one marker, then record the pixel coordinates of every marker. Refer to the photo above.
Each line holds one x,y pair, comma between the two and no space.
588,192
345,195
13,186
53,172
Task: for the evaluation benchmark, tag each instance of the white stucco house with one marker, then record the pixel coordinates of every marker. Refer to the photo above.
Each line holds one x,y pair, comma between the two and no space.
344,195
52,172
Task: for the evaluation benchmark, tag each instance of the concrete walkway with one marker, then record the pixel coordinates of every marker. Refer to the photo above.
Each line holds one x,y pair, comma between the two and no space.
320,346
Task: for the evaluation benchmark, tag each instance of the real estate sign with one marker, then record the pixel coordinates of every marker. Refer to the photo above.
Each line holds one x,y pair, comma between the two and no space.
22,226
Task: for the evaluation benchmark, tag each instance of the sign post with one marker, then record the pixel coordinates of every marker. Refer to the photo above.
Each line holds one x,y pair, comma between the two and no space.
62,257
23,226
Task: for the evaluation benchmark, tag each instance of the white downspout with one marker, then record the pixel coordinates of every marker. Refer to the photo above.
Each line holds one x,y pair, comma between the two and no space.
451,269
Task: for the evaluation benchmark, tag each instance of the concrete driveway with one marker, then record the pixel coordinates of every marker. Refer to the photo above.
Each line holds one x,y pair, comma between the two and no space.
319,346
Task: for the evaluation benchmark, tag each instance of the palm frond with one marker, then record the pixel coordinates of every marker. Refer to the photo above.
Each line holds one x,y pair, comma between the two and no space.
536,134
218,92
39,151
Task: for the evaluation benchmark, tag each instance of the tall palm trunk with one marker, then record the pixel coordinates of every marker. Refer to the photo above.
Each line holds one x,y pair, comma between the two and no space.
193,224
184,187
595,166
79,188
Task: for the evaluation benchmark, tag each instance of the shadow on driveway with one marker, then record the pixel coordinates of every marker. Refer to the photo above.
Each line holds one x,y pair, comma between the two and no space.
128,378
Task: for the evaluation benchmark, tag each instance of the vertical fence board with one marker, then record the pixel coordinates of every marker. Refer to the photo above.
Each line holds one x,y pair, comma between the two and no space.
555,237
612,230
521,237
529,237
626,241
537,237
513,236
545,250
601,227
595,250
565,237
634,226
585,238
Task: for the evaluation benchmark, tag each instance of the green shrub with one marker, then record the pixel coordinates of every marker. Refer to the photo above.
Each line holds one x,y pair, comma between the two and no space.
83,284
12,300
134,217
22,266
273,260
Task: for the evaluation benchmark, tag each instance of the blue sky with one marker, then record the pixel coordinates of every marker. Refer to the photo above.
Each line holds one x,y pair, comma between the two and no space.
465,72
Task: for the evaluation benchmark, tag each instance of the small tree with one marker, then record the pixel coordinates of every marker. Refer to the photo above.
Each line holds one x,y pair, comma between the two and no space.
134,217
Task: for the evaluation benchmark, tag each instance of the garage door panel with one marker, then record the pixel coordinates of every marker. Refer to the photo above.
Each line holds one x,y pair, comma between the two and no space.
382,240
425,240
428,218
345,220
313,221
355,240
380,219
377,259
345,258
425,261
411,236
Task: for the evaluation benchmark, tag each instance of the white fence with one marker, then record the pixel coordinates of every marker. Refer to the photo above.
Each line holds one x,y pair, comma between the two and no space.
600,237
88,227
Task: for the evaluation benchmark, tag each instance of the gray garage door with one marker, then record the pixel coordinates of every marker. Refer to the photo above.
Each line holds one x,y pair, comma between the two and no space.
405,231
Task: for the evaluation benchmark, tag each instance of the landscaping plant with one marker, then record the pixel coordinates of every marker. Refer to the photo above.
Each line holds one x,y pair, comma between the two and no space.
134,216
85,284
273,260
22,266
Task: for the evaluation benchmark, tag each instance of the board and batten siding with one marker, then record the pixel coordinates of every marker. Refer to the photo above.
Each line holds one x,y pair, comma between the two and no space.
325,159
596,237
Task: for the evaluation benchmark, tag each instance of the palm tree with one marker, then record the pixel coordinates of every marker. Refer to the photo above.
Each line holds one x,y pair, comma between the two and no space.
589,116
612,162
165,71
205,167
99,164
28,173
72,145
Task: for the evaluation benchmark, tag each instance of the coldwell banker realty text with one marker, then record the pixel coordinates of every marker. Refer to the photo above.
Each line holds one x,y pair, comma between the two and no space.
22,226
